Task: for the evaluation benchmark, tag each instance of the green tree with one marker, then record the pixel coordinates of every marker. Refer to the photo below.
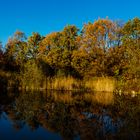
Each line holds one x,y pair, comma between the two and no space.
131,32
59,59
16,48
30,75
33,45
68,37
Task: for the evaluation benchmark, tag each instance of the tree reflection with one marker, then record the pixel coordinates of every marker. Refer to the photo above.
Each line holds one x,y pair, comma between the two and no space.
86,115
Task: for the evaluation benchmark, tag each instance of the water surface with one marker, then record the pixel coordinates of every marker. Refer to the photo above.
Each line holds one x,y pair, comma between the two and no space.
55,115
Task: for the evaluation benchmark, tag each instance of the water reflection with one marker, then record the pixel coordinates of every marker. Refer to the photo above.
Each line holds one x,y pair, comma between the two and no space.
105,98
58,115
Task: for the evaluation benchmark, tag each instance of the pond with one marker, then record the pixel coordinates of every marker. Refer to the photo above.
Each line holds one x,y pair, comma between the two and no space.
53,115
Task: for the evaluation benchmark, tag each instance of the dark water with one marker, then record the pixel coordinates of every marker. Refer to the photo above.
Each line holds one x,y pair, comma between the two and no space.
70,116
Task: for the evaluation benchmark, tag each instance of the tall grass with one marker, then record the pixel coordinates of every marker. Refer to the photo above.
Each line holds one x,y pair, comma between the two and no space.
32,78
63,83
103,84
70,83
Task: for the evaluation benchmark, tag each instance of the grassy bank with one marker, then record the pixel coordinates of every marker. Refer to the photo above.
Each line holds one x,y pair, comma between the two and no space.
101,84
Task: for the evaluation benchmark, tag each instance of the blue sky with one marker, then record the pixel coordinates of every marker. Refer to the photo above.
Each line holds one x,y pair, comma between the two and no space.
45,16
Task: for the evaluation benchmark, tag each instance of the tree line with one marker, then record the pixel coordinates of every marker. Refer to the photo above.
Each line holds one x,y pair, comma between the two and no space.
102,48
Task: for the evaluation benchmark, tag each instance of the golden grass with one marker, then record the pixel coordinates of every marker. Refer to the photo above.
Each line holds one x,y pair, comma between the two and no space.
102,84
105,84
63,83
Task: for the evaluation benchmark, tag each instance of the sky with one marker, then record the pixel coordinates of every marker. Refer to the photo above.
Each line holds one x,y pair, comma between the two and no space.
46,16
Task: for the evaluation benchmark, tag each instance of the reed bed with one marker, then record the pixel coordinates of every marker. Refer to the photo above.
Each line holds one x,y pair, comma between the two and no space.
102,84
63,83
28,82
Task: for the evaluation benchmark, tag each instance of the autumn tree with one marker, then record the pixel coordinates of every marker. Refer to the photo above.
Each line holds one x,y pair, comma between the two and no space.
60,60
102,48
131,39
116,61
81,62
57,48
98,63
100,34
49,42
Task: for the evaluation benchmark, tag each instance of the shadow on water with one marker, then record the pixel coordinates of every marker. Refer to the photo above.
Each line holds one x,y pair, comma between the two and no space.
58,115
